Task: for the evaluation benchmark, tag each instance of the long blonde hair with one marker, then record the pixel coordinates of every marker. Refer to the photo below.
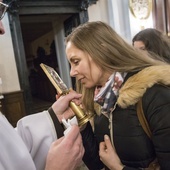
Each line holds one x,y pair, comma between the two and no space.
109,51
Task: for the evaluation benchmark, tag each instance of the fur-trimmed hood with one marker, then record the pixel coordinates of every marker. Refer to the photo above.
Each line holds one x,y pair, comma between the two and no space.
136,85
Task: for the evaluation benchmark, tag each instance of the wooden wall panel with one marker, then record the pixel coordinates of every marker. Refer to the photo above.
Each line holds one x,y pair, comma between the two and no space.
13,106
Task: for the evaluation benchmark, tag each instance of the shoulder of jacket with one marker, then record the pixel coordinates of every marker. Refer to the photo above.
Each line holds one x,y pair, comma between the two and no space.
136,85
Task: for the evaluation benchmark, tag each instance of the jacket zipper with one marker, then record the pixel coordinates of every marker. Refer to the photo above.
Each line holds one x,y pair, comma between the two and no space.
111,123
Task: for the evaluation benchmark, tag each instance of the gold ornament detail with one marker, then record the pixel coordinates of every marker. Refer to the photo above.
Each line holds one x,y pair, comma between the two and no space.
140,9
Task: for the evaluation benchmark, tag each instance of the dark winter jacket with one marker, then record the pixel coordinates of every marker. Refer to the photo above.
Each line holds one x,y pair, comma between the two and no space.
133,146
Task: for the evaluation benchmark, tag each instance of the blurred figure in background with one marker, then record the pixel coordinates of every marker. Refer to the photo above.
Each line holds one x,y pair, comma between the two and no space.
154,41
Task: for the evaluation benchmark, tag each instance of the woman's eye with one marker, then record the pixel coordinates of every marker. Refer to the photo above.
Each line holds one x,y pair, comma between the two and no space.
142,48
76,62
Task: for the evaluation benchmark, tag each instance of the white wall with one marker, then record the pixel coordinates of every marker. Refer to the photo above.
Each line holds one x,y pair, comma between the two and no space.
113,12
61,55
99,11
138,25
117,14
8,70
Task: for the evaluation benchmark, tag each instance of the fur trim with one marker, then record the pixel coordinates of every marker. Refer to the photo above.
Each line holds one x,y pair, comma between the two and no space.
136,86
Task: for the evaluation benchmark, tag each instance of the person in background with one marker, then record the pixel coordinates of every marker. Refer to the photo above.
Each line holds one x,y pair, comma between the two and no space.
153,41
113,74
35,144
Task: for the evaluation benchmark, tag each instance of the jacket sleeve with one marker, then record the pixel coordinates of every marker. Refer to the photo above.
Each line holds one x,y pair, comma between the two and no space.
91,156
130,168
156,107
38,131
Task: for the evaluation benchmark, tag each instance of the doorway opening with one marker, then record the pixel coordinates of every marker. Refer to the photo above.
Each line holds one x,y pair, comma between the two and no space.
39,45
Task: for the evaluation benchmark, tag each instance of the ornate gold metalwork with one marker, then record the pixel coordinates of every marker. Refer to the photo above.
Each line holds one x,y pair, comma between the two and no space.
140,9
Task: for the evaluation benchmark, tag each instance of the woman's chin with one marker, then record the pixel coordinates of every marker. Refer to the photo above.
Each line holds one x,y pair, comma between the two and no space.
88,86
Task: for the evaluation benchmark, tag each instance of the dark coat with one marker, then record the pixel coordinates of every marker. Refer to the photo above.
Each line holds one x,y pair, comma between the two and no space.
133,146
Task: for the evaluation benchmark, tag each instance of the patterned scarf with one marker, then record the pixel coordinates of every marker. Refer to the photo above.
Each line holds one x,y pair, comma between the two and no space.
106,96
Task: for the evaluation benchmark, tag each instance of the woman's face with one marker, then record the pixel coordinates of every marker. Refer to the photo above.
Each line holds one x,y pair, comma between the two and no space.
139,44
84,68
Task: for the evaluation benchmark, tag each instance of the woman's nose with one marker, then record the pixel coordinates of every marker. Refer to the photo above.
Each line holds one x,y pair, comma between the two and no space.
2,30
73,72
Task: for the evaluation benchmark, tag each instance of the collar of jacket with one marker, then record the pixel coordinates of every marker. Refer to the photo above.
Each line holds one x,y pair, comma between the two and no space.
136,85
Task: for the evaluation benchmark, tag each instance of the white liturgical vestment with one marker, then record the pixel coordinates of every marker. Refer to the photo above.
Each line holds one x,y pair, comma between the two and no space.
26,146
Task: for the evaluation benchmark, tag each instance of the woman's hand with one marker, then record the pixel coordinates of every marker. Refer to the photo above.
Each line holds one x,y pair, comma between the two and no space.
109,156
61,106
